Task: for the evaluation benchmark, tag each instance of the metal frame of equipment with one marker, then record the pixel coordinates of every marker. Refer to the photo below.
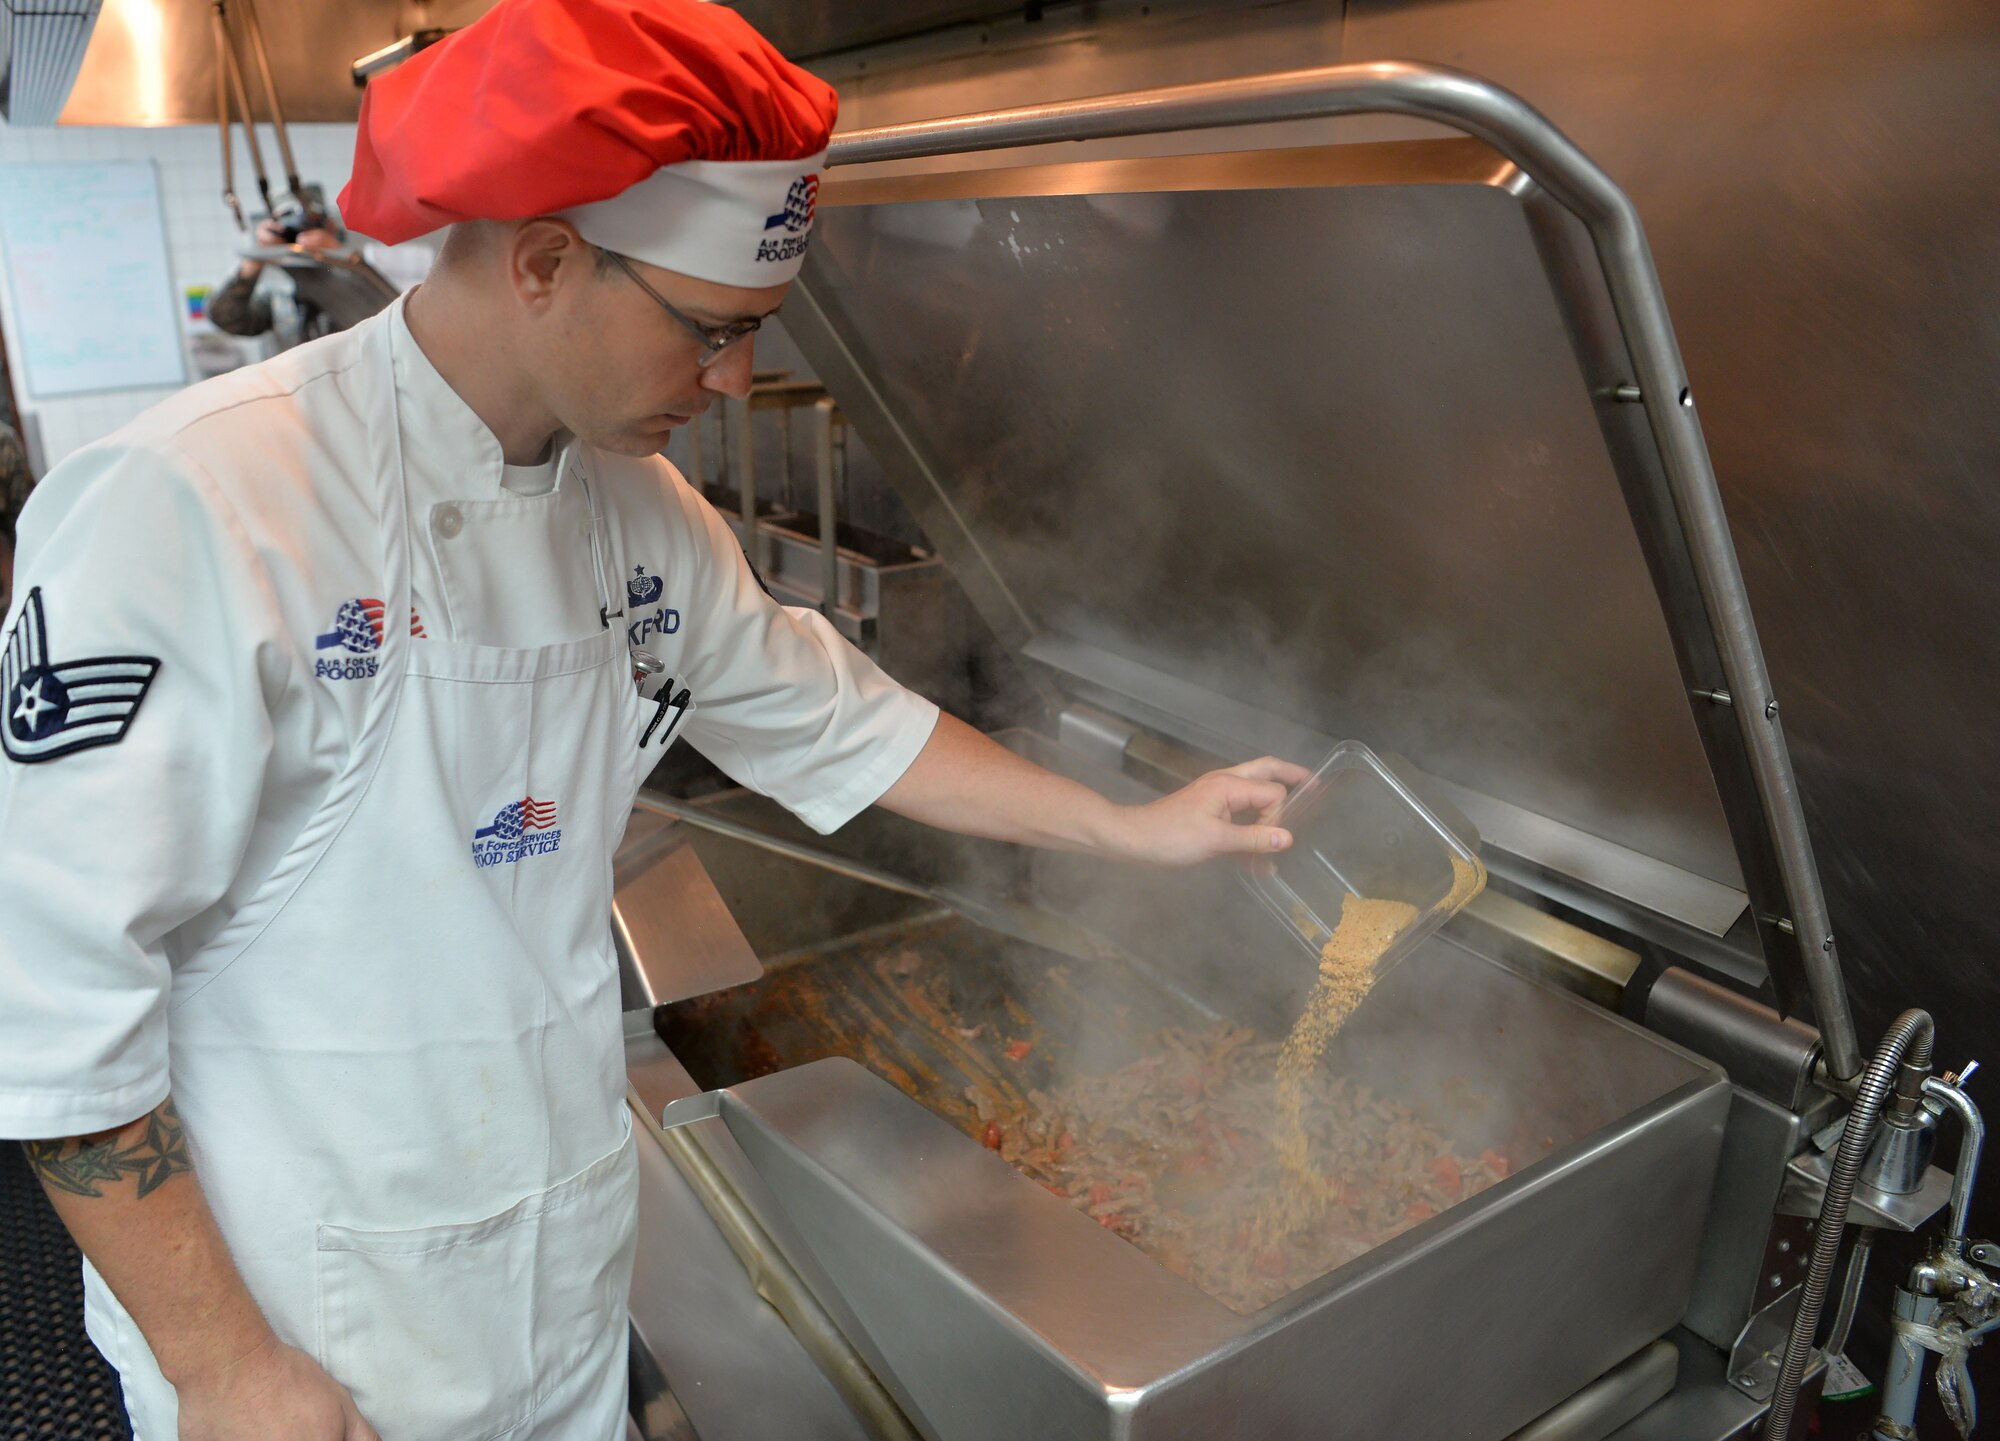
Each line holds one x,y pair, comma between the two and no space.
1684,530
1781,1152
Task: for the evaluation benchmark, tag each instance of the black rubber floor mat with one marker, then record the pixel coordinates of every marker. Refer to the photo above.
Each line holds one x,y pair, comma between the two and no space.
53,1384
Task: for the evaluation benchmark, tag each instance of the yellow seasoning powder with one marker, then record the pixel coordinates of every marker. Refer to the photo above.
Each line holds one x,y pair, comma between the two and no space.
1467,881
1346,973
1367,929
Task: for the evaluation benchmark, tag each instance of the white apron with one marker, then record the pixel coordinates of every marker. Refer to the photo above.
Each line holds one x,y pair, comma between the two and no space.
400,1065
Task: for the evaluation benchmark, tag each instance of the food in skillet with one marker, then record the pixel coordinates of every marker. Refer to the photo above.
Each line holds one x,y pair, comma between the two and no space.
1177,1153
1246,1189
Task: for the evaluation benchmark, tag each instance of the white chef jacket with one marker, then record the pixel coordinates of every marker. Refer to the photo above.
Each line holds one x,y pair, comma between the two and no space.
227,536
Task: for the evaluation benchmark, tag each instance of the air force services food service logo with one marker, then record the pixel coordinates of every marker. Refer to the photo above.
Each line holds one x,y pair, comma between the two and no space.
54,708
794,222
641,591
357,631
522,828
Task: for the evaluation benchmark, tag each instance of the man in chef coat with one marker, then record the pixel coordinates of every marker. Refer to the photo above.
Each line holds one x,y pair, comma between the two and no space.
328,687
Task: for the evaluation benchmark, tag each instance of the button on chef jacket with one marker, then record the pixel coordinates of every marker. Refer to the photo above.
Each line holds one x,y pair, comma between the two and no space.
227,549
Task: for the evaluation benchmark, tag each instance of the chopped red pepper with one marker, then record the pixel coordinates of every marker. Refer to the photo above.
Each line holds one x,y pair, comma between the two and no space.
1444,1170
1496,1163
1099,1193
1065,1142
1018,1051
1420,1210
991,1137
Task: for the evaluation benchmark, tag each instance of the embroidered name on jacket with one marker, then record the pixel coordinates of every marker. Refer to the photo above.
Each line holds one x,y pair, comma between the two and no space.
55,708
357,631
524,828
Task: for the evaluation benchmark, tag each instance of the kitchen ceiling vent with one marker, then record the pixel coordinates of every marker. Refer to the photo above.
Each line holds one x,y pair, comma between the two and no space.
41,49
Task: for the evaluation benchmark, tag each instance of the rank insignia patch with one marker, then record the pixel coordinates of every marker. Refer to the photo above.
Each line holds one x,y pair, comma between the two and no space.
54,708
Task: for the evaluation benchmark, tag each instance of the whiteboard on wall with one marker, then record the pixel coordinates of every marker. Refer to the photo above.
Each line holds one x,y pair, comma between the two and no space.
86,255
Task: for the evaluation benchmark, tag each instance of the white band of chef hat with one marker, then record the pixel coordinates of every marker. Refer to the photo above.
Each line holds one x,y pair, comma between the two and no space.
735,222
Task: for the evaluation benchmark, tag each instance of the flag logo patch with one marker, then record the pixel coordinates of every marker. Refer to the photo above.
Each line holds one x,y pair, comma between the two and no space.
354,640
522,828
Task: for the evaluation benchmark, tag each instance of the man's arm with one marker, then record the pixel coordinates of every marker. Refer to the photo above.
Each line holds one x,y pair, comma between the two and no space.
784,706
131,1199
963,781
236,308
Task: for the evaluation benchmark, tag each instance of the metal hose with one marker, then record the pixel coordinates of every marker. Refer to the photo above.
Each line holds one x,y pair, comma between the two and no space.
1911,1033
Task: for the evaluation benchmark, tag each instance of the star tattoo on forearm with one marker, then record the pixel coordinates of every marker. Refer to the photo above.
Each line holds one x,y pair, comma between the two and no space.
81,1167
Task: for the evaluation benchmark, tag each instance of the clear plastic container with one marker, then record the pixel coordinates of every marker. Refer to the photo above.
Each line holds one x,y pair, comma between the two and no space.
1359,829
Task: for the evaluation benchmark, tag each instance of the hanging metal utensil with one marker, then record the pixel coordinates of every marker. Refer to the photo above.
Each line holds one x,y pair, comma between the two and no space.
298,191
229,76
337,284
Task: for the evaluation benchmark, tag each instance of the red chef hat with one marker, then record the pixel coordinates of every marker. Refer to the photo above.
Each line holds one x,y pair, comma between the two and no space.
666,130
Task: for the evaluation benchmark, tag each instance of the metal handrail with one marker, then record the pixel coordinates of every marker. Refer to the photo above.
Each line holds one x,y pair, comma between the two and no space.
1526,137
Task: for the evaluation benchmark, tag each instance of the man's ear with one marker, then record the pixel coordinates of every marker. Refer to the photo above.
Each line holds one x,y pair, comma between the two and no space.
543,255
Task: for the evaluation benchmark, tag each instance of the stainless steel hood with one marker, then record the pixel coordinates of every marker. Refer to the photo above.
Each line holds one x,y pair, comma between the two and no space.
1386,441
1286,446
152,62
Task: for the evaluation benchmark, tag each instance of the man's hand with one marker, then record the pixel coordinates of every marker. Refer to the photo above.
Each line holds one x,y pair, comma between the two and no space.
1199,821
963,781
277,1390
132,1200
270,235
267,236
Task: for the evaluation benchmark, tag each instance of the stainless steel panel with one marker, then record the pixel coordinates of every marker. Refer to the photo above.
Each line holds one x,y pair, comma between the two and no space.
1359,426
152,62
1811,178
737,1371
655,1412
1730,1279
1611,1400
819,26
1554,951
673,931
995,1310
1703,1406
1805,1188
1059,52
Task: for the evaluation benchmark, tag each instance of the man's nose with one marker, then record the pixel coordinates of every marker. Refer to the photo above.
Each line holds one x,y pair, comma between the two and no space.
729,372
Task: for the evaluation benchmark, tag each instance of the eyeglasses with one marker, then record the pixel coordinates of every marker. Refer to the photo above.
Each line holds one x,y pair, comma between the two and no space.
715,339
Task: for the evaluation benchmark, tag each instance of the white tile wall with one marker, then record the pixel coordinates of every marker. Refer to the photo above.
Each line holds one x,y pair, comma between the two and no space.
202,239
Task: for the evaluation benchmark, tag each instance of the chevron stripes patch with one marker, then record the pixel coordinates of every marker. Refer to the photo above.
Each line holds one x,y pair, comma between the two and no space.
55,708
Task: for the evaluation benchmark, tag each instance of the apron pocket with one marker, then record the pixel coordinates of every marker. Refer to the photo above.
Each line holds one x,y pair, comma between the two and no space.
459,1332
